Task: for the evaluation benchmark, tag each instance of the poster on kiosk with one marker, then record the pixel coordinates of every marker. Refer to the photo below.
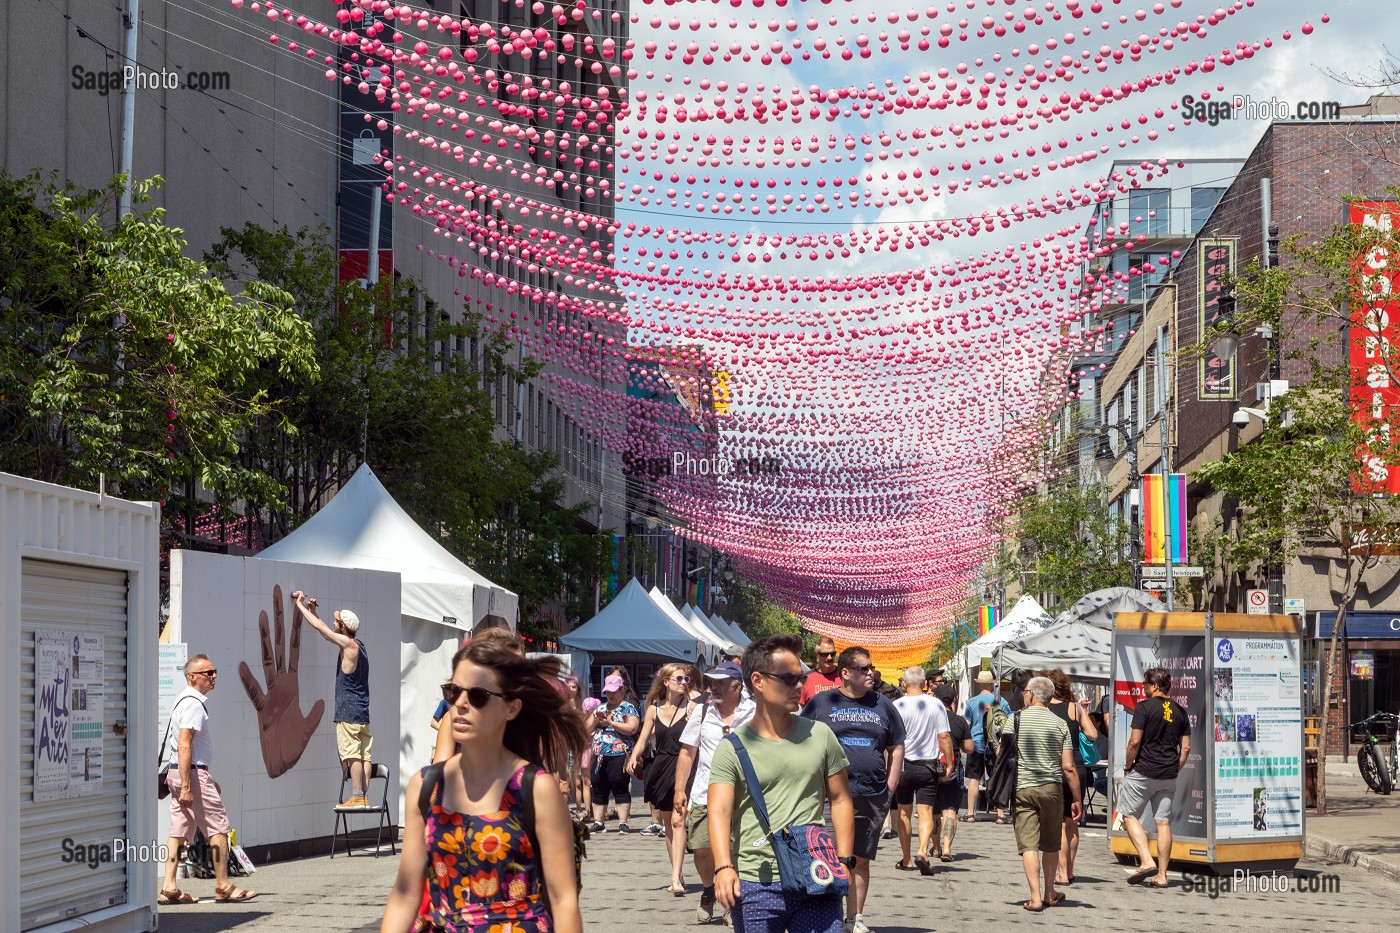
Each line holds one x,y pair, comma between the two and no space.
1239,800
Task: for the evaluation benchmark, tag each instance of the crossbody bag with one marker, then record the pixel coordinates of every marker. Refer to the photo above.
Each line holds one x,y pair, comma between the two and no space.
806,855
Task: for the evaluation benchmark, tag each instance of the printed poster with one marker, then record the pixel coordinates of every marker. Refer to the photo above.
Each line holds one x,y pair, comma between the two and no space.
171,676
1258,735
68,708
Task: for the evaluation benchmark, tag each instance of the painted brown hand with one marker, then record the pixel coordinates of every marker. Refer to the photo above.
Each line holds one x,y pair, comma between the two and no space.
282,729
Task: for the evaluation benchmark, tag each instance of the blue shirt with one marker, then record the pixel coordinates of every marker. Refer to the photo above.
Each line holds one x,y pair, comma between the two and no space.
866,728
976,708
441,709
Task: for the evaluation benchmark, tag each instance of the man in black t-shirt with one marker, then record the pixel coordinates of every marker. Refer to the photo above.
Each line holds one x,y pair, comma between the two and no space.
1157,750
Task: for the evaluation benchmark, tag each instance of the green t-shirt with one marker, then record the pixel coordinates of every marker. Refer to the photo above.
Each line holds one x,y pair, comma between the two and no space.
792,773
1040,739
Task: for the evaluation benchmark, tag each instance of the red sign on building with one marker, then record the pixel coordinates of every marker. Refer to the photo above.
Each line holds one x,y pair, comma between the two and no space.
1375,335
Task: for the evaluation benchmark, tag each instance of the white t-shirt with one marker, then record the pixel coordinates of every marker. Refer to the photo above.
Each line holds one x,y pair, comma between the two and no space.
924,717
190,714
705,730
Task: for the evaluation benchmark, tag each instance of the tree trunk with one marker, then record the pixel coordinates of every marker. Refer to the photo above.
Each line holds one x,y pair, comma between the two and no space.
1349,588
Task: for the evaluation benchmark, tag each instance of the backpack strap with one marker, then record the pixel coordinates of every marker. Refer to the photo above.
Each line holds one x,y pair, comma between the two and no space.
760,806
527,823
432,784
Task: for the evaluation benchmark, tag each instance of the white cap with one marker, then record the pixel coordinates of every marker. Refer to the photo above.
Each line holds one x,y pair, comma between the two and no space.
348,619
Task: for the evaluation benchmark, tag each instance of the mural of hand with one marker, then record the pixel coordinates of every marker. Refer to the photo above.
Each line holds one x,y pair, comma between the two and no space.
282,729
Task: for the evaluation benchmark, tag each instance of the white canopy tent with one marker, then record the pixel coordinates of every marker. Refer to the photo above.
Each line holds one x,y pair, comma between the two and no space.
631,622
1080,643
712,644
442,598
1025,619
740,638
699,618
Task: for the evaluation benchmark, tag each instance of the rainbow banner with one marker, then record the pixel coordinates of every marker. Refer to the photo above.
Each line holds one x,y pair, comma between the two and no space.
1163,512
987,619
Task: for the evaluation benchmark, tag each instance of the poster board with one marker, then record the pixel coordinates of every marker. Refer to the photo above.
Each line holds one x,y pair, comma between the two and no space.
1239,800
68,706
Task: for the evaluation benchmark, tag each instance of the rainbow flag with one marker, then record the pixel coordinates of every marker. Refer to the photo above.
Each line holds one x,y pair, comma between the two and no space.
987,619
1163,511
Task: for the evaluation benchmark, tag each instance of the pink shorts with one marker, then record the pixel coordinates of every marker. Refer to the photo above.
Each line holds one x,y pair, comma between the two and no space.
206,813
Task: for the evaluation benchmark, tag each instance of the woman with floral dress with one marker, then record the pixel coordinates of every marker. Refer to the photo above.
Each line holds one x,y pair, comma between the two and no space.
485,872
616,724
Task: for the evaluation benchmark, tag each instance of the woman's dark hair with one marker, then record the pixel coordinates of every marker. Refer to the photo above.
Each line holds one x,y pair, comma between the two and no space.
549,727
1063,689
758,657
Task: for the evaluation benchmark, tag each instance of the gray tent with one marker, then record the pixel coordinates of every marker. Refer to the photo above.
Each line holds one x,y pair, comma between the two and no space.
1080,643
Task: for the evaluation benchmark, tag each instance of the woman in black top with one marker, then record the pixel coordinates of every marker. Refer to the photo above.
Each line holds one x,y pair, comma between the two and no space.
1067,708
668,707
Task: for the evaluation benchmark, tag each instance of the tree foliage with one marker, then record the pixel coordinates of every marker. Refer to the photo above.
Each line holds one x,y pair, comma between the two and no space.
758,617
120,356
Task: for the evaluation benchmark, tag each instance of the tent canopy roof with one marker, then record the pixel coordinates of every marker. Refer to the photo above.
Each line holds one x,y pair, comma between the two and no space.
1099,607
634,622
1025,618
1081,650
362,526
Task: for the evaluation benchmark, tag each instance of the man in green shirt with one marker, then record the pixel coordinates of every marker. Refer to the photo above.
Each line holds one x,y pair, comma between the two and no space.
799,765
1044,763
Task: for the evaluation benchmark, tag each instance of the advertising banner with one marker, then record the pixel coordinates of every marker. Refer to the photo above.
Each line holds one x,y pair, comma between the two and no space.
68,701
1258,737
1375,332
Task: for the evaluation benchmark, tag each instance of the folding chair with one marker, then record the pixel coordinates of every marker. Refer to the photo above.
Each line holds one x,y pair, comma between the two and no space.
342,827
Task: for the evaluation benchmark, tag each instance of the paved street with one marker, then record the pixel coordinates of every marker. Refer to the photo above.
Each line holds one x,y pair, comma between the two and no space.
624,876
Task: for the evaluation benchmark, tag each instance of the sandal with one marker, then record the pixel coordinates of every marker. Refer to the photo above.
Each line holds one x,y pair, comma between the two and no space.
923,864
167,898
1035,910
233,893
1056,899
1001,821
903,867
677,888
969,819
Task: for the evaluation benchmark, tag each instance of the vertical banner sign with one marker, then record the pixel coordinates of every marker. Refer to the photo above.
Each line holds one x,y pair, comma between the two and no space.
1374,337
171,679
1163,511
1258,732
68,703
1216,261
1182,656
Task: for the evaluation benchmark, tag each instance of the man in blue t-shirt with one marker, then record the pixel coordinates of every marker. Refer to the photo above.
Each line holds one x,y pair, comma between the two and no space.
979,763
871,733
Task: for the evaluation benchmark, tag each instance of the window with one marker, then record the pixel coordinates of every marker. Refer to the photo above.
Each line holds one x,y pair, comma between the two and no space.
1150,268
1148,211
1203,201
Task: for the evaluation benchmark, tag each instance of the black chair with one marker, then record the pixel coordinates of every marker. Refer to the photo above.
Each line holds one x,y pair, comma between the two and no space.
377,772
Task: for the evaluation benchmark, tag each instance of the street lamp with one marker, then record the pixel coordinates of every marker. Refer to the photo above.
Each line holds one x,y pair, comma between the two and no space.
1225,344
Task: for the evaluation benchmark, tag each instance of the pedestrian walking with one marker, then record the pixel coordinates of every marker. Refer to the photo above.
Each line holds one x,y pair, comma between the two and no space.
352,736
725,711
1066,706
488,830
1044,764
825,675
951,793
1158,746
979,763
446,745
871,733
195,801
668,709
797,765
928,753
616,724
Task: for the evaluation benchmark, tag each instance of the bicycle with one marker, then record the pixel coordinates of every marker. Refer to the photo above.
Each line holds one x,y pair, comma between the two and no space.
1379,770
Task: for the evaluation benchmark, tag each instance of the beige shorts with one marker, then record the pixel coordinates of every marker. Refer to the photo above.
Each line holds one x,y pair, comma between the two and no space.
206,812
353,740
1039,817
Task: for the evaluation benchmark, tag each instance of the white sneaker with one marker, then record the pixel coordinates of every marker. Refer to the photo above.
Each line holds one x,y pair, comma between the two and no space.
655,829
857,925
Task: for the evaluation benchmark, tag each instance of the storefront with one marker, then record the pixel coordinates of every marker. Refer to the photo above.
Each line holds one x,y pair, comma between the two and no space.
1370,660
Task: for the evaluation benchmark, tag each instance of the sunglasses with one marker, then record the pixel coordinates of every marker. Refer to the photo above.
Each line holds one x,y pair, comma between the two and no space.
826,654
791,680
209,673
681,679
862,670
476,696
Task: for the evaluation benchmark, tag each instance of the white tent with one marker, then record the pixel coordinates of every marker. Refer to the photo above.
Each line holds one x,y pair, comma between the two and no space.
740,638
1080,643
1099,607
633,622
442,598
712,644
1025,618
699,618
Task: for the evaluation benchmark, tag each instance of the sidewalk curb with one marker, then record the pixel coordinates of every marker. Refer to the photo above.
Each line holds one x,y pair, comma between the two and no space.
1321,847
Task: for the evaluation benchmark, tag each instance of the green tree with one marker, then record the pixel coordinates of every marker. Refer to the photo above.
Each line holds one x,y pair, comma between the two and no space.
1310,485
120,356
750,608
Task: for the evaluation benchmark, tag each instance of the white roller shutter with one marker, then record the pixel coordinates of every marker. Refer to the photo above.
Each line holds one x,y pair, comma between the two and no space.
90,601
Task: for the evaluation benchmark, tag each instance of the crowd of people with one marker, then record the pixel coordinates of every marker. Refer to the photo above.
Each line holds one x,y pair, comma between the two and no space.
778,782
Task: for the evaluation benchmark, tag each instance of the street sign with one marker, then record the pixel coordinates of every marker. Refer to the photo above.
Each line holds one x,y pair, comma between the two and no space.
1159,571
1258,602
1293,606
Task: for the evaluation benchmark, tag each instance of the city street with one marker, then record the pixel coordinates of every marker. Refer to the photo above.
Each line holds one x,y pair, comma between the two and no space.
983,888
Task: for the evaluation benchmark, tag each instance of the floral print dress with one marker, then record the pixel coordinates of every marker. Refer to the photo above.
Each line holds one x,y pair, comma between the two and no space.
483,875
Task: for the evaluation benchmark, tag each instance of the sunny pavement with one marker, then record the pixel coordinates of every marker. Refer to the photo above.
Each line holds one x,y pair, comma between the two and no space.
983,888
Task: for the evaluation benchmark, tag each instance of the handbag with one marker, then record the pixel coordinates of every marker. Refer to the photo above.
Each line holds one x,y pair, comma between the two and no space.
806,855
1088,751
1001,786
162,788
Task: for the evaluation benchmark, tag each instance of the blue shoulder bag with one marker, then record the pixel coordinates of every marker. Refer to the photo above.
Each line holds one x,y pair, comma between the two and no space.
806,855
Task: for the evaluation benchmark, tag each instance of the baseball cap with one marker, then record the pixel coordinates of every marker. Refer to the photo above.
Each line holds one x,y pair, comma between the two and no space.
348,619
728,670
611,683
